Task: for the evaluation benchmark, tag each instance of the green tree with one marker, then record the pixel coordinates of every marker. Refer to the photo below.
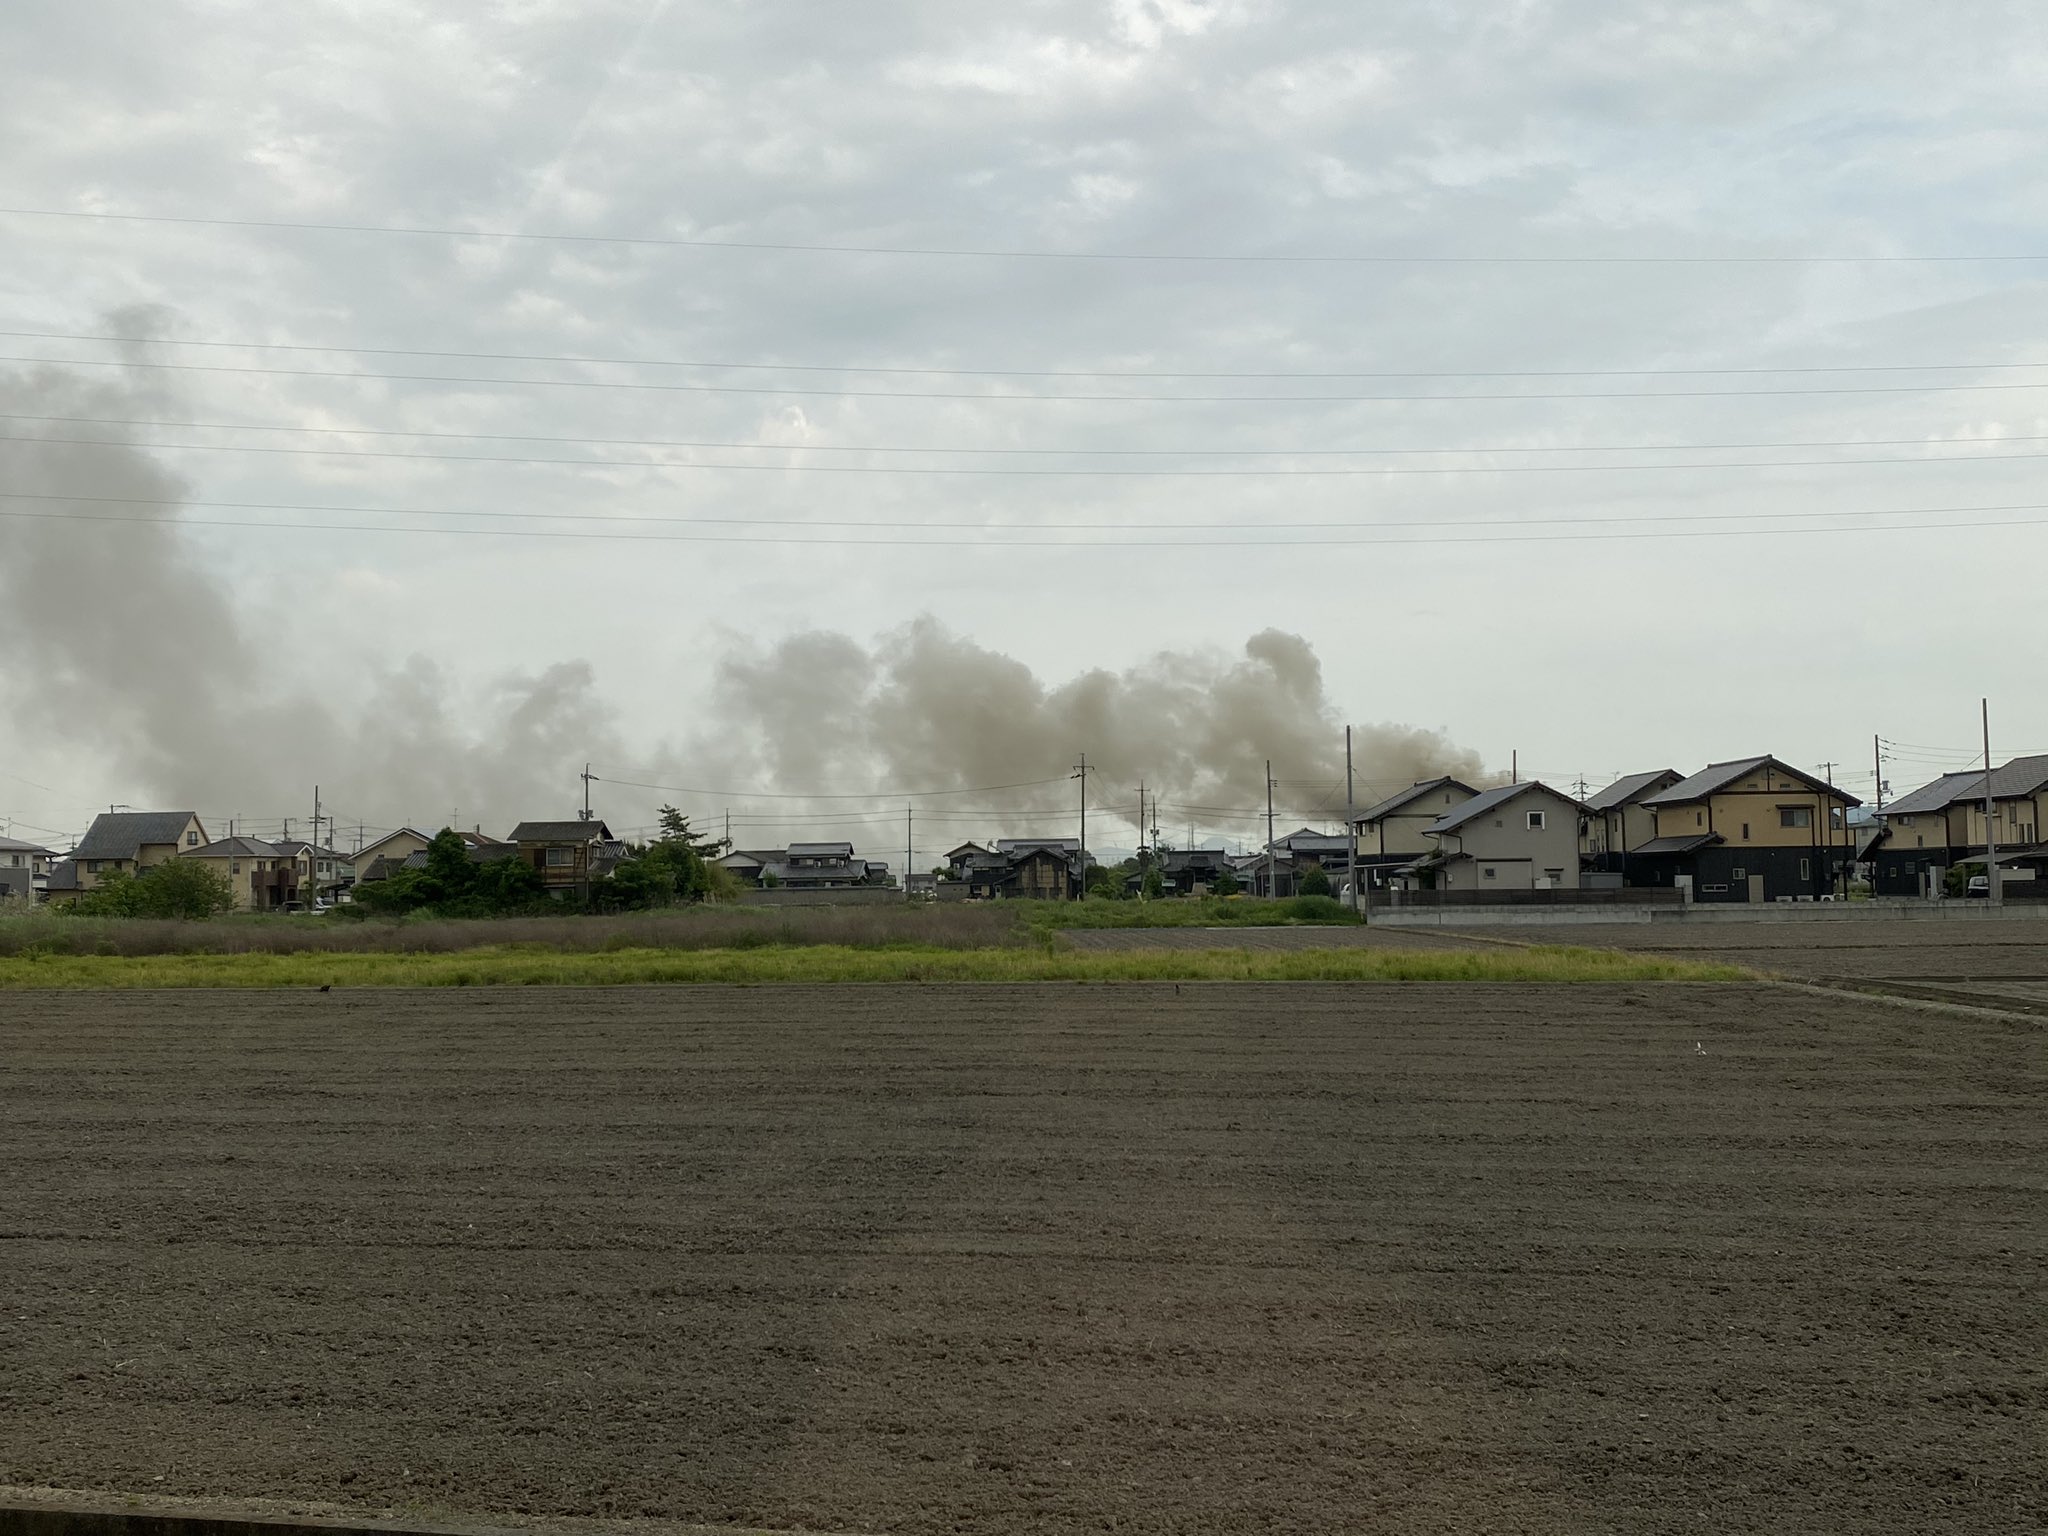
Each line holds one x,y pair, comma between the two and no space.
188,888
1155,885
1315,883
1225,884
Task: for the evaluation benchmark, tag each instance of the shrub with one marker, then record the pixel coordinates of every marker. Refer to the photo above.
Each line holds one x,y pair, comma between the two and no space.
1315,883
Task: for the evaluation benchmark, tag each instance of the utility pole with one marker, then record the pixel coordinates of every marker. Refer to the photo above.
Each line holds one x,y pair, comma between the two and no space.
316,815
1829,813
1514,765
1081,772
587,777
1350,831
1272,865
1141,830
1877,762
906,850
1994,892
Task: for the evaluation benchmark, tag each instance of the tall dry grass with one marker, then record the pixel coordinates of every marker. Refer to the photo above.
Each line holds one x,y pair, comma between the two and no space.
942,927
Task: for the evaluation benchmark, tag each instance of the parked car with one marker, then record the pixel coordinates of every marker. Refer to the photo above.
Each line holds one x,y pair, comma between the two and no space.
1980,885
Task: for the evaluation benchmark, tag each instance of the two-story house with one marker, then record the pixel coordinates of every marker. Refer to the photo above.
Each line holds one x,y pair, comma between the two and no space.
262,875
1941,824
1751,829
127,841
1619,821
1395,831
321,873
566,853
386,856
1518,837
24,869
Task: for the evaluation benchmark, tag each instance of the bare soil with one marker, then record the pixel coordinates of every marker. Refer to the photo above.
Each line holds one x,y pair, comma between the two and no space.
1049,1259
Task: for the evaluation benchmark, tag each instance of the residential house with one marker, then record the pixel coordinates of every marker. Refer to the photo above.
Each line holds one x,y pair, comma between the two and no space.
262,875
805,867
1192,871
24,869
1294,855
1517,837
1394,832
1031,868
1751,829
128,842
1619,821
1941,824
321,874
567,853
386,856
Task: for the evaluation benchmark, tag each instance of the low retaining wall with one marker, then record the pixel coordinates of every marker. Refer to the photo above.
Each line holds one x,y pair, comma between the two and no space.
1890,909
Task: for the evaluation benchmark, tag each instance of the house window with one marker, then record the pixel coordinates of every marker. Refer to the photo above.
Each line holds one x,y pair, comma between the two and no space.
1919,841
1535,821
1487,872
238,866
15,861
1739,874
1795,815
1745,831
1806,869
191,839
559,858
1905,821
1699,818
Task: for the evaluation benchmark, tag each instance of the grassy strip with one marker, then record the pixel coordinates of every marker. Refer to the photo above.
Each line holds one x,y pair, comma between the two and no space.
499,966
1185,912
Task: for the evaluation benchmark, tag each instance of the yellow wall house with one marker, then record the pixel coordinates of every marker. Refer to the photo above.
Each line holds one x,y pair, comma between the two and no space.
264,877
1751,829
1941,824
128,841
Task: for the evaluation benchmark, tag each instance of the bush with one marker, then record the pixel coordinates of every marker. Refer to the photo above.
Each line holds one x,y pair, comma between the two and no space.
1315,883
180,888
1315,909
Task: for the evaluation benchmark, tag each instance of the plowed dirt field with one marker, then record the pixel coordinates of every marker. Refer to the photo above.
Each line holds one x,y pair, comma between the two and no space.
1035,1259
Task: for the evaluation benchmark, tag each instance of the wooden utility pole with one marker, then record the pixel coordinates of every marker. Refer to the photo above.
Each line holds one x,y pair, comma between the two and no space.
1081,772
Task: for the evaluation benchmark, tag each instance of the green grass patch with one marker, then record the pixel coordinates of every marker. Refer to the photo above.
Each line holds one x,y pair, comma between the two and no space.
507,966
1186,912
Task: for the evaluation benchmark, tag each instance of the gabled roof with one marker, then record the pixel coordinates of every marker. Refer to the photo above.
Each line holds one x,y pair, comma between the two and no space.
237,848
819,851
965,848
561,831
16,845
370,848
1718,776
1025,844
64,876
2009,781
1634,787
1493,799
1413,792
122,834
1690,842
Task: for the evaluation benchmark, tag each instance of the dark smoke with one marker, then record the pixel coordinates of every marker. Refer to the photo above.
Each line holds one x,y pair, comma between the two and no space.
126,648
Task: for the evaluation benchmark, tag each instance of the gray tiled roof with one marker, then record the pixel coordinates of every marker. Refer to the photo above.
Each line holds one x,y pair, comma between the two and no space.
560,832
2021,776
237,848
16,845
1413,792
1690,842
1718,776
1624,790
64,876
122,834
819,851
1491,799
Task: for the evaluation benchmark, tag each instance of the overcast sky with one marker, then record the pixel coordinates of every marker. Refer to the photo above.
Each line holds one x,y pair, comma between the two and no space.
1531,584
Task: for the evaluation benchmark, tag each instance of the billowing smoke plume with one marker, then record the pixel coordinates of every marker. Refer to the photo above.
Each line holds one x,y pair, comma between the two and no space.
121,644
926,709
116,642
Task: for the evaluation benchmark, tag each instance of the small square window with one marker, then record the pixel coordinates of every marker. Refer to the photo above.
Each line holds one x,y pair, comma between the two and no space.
1740,874
1535,821
1488,872
191,839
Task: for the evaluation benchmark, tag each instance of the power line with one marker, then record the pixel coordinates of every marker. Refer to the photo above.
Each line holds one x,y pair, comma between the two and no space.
585,359
941,525
1012,399
987,543
1231,453
1348,471
880,794
1413,258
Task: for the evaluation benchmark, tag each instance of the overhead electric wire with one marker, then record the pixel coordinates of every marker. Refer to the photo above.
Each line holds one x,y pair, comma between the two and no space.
1228,453
1344,472
897,524
642,385
1022,254
972,544
885,794
584,359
